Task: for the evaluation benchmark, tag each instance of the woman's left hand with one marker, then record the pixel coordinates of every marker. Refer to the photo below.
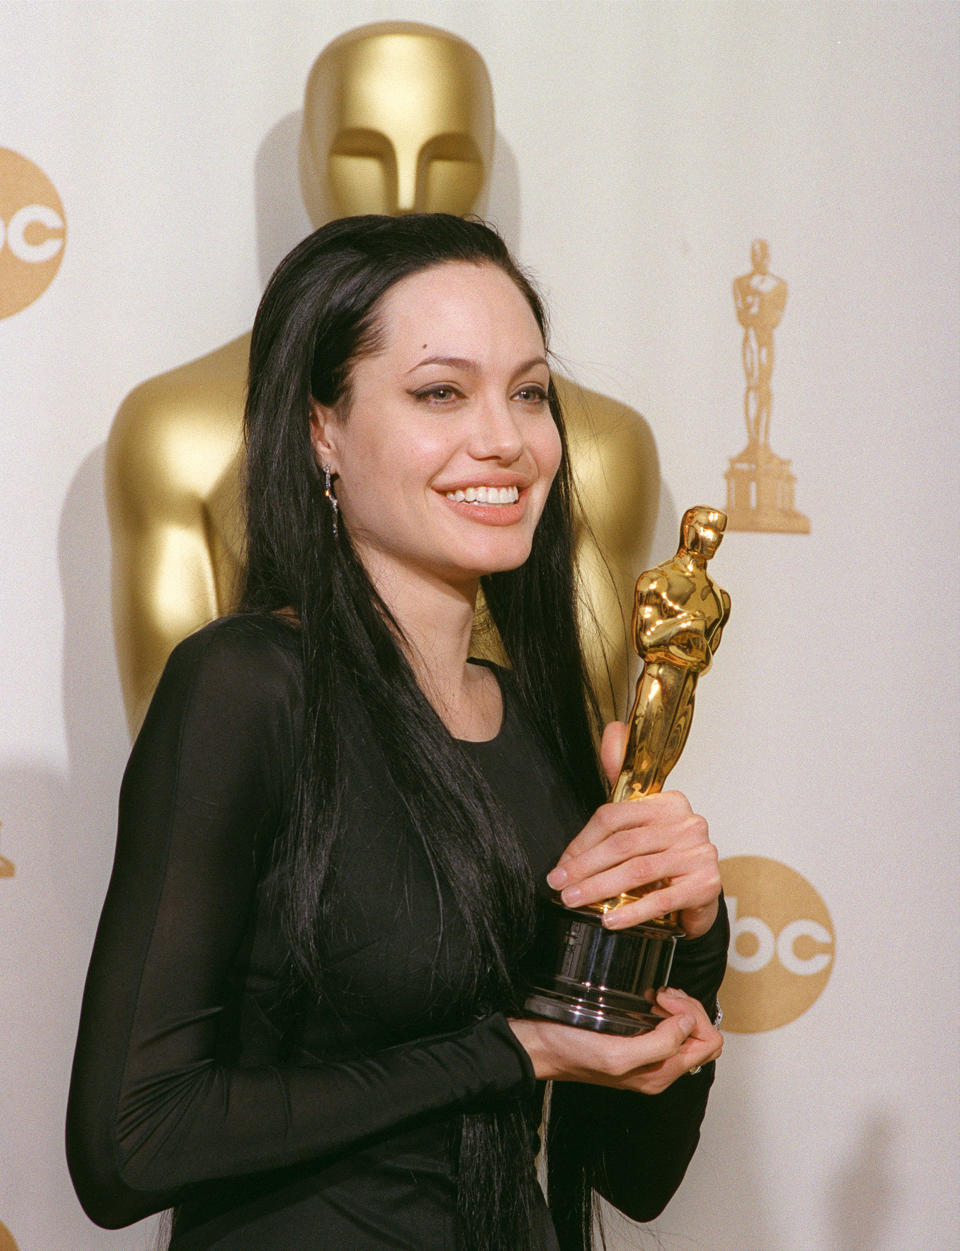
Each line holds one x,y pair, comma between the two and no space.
625,847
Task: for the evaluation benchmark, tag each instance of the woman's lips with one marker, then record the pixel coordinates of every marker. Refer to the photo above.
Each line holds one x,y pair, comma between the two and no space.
485,507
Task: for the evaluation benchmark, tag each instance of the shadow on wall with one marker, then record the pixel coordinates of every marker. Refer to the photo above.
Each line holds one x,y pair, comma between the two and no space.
83,830
719,1186
865,1193
281,218
65,826
42,962
503,200
97,740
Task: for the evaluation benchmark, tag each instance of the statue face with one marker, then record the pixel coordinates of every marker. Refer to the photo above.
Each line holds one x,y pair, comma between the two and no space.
703,531
398,118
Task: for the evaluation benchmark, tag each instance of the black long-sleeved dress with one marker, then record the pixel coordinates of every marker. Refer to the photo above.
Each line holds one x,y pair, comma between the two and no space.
269,1122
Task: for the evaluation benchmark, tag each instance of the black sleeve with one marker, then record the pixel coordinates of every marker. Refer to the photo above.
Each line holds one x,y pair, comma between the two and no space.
636,1148
152,1111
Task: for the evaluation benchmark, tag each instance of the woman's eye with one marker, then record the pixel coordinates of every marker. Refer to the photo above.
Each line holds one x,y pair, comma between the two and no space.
439,395
532,395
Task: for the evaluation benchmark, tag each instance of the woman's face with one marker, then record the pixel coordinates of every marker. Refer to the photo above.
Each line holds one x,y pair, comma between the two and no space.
448,449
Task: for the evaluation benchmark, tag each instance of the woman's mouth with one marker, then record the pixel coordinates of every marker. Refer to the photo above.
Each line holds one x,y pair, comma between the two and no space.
484,495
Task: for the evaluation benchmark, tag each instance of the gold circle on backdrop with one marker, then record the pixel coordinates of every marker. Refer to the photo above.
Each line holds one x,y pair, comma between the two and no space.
32,232
781,944
7,1240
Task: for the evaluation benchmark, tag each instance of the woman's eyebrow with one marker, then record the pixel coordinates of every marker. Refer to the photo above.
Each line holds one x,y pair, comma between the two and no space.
534,360
473,367
452,362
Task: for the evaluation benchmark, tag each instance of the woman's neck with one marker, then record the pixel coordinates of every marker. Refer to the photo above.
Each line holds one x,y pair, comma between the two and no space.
436,620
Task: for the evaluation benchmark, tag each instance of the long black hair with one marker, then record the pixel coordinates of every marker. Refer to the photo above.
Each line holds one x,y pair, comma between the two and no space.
318,316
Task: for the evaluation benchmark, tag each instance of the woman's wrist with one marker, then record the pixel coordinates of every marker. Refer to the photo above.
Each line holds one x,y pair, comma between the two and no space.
528,1037
700,921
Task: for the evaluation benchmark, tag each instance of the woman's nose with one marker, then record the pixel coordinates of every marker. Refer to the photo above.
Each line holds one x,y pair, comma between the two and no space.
496,434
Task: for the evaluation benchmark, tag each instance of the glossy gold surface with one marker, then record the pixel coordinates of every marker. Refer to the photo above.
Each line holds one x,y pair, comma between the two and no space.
678,618
173,499
397,116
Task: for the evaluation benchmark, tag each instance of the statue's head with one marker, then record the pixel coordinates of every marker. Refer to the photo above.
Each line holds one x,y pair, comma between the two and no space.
398,118
701,530
760,255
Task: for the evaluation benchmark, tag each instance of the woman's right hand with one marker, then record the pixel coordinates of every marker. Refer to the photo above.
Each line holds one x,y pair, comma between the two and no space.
646,1063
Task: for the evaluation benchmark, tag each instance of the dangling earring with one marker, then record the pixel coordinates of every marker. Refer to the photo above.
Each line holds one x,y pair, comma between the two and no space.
330,496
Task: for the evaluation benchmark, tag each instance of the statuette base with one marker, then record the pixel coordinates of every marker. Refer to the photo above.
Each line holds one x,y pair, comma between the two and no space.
586,975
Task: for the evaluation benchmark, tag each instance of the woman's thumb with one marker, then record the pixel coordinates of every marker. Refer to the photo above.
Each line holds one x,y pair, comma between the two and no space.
612,746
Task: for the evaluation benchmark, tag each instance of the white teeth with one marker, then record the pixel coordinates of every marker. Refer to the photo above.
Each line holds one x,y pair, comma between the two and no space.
485,495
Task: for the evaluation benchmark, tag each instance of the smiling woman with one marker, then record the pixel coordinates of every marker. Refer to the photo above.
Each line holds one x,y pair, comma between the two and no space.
300,1026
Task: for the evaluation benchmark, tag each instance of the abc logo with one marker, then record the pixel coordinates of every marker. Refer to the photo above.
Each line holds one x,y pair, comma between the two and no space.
32,232
781,944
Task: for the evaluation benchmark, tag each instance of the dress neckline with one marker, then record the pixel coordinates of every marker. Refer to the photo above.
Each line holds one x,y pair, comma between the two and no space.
496,671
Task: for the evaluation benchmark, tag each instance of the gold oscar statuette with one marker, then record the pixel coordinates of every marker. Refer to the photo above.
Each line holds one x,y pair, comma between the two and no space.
581,973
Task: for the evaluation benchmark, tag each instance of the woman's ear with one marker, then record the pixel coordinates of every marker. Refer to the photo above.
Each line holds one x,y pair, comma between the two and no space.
323,426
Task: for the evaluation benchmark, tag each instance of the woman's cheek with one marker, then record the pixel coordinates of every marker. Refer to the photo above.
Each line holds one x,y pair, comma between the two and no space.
550,455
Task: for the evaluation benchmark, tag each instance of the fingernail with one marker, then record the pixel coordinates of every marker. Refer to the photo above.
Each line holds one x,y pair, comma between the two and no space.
556,877
571,895
687,1022
673,992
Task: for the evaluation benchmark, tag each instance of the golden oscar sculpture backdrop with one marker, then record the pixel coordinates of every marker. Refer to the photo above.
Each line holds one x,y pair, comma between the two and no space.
760,484
745,221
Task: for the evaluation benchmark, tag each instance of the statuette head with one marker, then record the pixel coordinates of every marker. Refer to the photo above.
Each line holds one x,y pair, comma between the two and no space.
701,531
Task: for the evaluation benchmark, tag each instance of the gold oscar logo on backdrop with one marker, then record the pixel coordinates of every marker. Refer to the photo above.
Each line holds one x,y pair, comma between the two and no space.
7,1240
32,232
781,944
760,484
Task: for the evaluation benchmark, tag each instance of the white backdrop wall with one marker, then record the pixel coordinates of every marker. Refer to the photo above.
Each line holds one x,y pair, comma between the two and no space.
641,147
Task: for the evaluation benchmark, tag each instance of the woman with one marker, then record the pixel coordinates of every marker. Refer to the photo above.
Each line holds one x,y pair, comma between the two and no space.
301,1025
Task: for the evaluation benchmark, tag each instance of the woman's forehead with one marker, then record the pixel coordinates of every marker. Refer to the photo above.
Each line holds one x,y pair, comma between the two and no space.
457,303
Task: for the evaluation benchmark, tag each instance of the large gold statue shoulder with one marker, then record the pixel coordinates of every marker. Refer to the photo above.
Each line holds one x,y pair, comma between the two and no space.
173,500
